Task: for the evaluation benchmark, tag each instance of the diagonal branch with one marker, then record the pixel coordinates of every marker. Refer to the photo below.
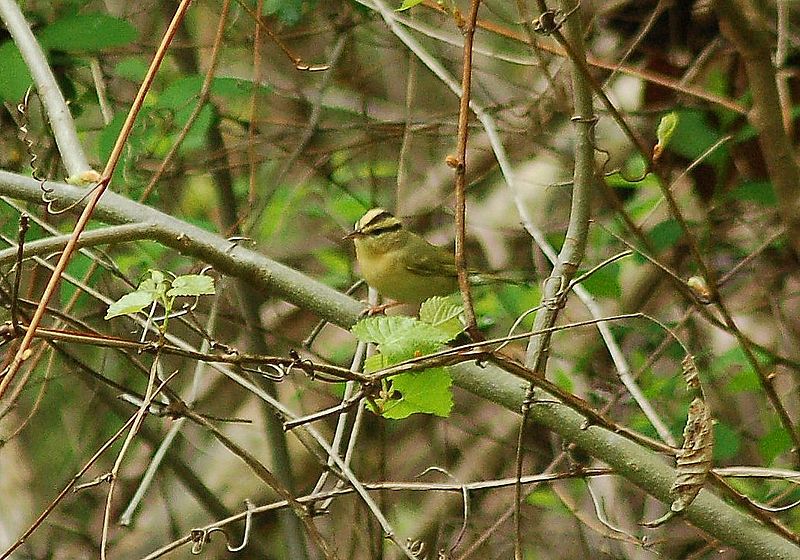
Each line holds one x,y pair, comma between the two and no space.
57,112
644,468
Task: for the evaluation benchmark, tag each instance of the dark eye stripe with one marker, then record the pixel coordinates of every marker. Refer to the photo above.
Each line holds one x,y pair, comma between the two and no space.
376,230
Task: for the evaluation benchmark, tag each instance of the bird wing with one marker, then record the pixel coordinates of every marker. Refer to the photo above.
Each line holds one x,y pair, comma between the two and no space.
432,263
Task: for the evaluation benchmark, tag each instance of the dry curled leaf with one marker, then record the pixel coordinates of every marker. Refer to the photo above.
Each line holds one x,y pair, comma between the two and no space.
690,374
695,456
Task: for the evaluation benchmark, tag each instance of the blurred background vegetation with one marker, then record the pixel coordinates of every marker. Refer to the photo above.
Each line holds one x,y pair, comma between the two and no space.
323,111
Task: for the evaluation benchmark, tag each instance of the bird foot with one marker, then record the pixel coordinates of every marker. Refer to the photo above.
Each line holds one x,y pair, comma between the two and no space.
379,309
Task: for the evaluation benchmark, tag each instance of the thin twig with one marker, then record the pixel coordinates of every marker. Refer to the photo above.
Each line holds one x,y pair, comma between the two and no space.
202,99
555,291
24,220
22,352
460,165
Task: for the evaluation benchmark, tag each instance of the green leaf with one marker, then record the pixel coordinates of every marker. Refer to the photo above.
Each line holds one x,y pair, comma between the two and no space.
632,175
78,266
444,314
760,192
156,279
133,68
694,135
131,303
727,442
545,498
374,363
666,128
288,12
604,282
665,235
134,148
197,136
775,443
87,33
381,329
426,392
184,92
233,88
734,367
407,4
192,285
14,75
109,134
745,381
400,338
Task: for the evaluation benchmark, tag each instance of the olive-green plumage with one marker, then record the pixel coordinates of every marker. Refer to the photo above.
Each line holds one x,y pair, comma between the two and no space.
400,264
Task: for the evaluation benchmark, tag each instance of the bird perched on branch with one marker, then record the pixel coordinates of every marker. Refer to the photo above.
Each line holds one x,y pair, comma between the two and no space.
400,264
403,266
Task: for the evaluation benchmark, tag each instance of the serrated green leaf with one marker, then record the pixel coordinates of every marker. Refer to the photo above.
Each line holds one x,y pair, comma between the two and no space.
400,338
666,128
381,329
426,392
444,314
130,303
87,33
192,285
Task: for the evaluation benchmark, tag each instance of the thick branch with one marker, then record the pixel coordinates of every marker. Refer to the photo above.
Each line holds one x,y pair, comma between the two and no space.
639,465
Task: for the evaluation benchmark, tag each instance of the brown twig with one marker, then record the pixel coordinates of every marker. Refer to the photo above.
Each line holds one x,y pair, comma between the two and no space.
460,165
205,93
298,62
268,477
24,220
645,75
24,350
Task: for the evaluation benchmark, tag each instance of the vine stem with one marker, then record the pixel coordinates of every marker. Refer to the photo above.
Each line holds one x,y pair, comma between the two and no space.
24,349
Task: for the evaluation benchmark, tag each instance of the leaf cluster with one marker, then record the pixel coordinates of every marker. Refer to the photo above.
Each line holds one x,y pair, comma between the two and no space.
160,289
400,338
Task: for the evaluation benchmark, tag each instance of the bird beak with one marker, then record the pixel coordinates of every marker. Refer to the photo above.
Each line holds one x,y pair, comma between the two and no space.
353,235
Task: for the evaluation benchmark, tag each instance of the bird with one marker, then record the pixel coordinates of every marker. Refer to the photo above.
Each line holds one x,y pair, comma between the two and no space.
400,264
